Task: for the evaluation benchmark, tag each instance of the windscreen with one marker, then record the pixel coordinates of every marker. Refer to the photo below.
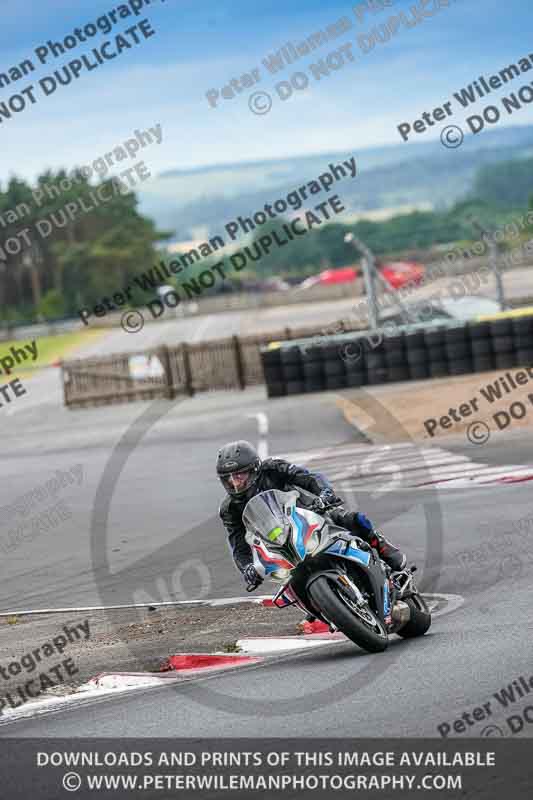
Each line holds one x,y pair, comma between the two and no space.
264,515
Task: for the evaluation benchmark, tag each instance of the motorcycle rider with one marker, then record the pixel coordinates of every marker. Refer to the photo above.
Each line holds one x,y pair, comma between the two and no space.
244,475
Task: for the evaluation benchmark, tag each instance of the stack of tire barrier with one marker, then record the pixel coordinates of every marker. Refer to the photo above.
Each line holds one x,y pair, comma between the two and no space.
415,353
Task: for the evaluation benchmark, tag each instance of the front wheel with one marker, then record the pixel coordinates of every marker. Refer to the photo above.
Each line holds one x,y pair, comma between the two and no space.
358,623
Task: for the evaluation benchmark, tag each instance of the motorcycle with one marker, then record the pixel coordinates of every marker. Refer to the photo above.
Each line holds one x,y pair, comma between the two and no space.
329,573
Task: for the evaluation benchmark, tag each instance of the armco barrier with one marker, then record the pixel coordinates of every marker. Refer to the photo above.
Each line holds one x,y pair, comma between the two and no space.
414,353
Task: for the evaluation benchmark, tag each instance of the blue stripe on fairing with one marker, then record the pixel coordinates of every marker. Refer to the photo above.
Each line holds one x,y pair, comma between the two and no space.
386,598
300,547
359,555
352,553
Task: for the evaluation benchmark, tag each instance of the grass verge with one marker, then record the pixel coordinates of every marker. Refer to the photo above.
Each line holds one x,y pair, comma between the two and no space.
52,348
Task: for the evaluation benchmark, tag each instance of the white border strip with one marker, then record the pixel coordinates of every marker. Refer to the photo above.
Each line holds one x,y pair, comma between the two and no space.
224,601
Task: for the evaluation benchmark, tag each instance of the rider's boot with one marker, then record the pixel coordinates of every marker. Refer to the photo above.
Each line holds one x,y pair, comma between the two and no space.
361,525
390,554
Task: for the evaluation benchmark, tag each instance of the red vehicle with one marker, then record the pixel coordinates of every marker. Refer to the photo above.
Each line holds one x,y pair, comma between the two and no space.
399,273
339,275
396,273
331,276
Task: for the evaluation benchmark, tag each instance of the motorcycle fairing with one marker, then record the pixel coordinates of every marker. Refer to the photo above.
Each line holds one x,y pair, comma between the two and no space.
295,525
271,562
304,529
274,515
348,550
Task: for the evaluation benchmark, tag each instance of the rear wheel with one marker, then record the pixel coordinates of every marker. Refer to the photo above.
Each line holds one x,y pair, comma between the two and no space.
358,623
420,620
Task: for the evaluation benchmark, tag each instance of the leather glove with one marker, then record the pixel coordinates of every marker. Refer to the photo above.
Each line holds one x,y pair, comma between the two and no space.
326,498
317,506
329,498
252,577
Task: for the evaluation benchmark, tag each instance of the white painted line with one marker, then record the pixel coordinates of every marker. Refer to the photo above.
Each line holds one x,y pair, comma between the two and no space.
404,478
413,457
283,644
413,467
451,468
399,468
75,609
262,423
228,601
225,601
262,430
413,453
128,680
351,449
482,471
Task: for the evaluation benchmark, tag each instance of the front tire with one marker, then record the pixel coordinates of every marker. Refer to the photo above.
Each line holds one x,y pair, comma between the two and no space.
371,636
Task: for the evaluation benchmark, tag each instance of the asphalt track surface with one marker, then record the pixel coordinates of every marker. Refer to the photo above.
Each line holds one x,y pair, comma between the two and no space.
163,513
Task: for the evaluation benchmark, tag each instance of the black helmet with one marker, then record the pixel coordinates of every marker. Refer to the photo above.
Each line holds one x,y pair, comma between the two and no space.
238,467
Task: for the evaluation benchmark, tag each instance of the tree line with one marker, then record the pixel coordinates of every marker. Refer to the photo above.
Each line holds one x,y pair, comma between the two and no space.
71,259
98,252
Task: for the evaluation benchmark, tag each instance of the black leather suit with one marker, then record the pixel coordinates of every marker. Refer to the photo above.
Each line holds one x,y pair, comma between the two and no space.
279,474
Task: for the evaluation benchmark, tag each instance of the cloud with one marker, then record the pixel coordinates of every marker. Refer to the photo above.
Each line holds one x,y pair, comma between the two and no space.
165,82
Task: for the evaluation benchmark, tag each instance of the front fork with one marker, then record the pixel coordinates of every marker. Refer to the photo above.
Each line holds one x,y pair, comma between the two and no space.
288,595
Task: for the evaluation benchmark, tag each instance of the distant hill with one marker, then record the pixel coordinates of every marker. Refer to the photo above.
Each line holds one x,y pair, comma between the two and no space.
198,202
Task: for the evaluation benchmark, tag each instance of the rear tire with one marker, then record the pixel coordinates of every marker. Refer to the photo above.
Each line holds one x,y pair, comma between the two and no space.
419,623
326,598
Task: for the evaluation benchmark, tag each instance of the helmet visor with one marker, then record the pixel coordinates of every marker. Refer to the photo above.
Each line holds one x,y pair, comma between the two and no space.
239,482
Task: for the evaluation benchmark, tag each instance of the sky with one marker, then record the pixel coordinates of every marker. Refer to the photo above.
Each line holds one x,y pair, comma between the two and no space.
199,46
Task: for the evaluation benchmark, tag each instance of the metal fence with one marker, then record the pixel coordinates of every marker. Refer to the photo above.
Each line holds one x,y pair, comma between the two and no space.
232,363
